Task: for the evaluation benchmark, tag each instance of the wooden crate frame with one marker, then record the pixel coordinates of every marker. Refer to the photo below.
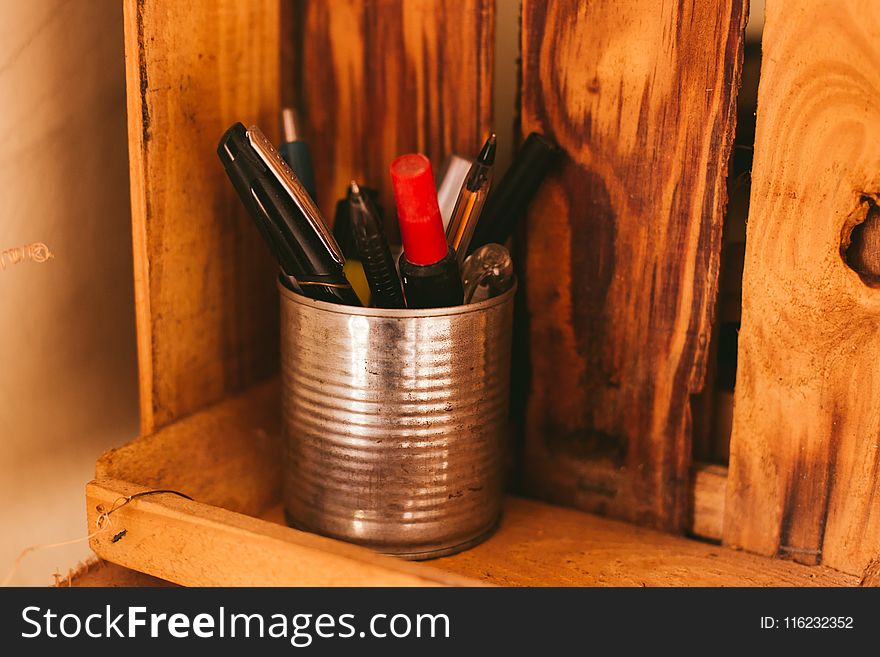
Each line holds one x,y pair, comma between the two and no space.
227,457
207,307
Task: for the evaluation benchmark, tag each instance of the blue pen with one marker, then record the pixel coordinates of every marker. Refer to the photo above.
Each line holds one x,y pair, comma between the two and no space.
296,152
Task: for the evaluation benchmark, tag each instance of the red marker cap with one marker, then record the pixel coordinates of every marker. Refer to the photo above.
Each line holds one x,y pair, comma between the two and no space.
421,226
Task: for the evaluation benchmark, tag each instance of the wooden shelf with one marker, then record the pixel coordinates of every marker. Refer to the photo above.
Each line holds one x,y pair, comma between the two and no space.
227,458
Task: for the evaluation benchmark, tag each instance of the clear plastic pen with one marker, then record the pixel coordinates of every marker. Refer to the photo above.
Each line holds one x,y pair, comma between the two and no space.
487,273
470,201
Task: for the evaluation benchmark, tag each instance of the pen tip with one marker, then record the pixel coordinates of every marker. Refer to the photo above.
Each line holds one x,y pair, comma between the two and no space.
487,153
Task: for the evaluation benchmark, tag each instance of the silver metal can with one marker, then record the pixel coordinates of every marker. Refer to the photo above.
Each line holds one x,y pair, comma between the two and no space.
395,422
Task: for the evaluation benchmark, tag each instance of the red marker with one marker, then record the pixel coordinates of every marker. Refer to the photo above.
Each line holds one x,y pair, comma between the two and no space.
428,265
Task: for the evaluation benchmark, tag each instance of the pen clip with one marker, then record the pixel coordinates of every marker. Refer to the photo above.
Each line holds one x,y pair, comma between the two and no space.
298,194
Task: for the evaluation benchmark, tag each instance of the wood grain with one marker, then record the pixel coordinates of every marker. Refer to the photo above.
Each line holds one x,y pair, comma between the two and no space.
226,457
537,544
623,243
543,545
380,78
871,575
207,309
709,487
195,544
805,453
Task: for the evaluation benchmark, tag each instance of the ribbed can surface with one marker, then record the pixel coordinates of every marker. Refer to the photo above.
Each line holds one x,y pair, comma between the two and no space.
395,422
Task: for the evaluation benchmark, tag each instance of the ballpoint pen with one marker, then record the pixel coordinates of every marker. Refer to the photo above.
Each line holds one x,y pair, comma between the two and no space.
510,198
470,201
373,251
354,268
286,216
296,152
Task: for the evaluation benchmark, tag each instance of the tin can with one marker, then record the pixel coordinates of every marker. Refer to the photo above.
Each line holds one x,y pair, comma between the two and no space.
395,422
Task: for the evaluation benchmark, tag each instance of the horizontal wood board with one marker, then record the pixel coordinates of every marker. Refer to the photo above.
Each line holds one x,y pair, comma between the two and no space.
233,533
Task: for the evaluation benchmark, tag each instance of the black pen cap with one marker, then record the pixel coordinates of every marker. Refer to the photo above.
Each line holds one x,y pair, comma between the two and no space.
509,200
342,229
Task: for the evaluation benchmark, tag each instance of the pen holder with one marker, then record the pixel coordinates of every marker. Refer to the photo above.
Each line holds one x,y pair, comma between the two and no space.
395,422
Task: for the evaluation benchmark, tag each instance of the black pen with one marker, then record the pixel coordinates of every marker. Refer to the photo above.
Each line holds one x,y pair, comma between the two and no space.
510,199
354,268
372,248
286,215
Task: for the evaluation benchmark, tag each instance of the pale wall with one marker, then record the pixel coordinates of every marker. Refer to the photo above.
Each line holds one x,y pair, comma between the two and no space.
68,385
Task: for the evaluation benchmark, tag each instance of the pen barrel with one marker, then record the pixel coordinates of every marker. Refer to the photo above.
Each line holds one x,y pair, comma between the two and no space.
299,158
464,220
432,286
379,268
467,209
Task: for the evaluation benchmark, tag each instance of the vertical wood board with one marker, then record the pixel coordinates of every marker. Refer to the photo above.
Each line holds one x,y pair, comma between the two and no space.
378,78
623,243
206,305
805,453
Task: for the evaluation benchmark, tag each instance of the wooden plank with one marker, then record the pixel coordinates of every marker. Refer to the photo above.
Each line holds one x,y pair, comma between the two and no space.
537,544
623,243
206,305
871,575
543,545
707,507
229,455
195,544
226,457
385,77
805,453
